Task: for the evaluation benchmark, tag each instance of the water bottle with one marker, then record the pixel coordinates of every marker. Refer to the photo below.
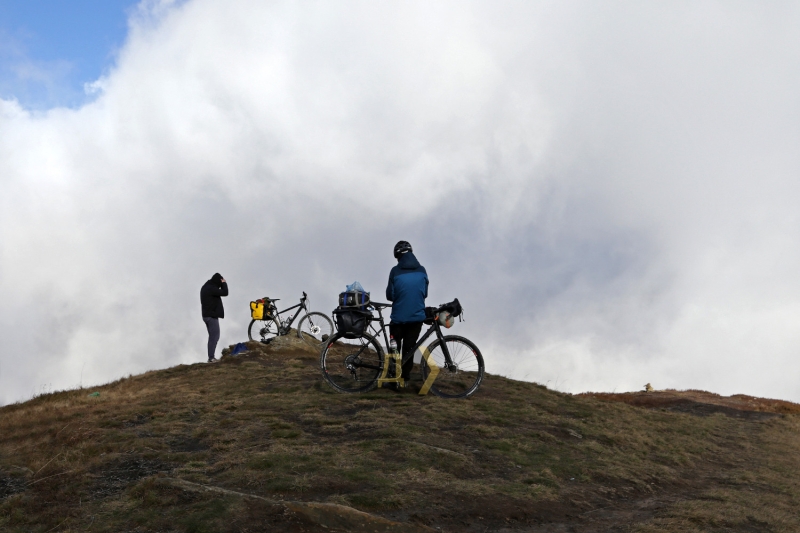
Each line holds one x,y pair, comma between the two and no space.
392,344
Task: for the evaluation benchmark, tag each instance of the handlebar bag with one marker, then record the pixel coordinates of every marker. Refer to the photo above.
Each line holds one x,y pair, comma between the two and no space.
351,322
446,319
454,307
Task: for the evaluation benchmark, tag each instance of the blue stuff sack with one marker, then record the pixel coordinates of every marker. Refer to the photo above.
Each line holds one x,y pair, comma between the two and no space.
239,348
355,287
354,297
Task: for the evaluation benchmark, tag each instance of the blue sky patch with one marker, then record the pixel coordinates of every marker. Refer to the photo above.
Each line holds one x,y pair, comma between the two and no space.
49,49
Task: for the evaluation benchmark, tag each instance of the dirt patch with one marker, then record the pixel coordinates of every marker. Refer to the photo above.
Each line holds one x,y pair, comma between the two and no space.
268,357
286,345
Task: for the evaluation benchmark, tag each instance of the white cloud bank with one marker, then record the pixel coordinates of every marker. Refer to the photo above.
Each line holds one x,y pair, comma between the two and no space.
611,190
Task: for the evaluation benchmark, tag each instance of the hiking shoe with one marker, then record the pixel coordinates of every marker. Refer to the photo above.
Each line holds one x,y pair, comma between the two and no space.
410,388
213,360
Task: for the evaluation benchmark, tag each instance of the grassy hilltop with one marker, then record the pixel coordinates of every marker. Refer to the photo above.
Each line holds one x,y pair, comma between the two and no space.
259,443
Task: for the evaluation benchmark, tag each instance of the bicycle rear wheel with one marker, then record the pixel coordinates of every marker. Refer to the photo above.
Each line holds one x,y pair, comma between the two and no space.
262,330
464,377
315,328
351,365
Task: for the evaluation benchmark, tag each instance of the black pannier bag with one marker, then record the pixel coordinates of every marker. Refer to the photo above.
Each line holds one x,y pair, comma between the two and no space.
351,322
356,299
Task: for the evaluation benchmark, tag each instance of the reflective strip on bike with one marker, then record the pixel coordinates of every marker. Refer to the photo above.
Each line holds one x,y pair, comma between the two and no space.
434,371
397,358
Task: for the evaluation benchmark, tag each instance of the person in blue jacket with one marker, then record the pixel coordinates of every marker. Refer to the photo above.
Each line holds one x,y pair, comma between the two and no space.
407,289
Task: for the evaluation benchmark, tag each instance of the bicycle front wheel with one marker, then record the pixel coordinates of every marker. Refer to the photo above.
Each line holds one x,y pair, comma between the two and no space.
351,365
315,328
262,330
463,377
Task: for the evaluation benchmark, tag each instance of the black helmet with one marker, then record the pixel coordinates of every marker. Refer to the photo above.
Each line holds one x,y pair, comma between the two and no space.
400,248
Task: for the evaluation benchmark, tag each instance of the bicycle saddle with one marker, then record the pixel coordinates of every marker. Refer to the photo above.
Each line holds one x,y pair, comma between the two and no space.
379,305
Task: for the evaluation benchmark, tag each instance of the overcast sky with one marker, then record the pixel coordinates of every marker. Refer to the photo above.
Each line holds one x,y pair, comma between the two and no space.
611,189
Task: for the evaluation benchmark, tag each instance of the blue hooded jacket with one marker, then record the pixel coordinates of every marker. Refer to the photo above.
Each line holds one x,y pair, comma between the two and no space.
407,289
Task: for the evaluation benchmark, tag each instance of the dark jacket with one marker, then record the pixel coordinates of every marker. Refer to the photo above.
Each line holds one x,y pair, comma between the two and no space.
210,297
407,289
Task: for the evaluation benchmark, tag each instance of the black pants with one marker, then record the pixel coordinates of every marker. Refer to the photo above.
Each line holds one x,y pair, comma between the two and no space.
212,325
406,336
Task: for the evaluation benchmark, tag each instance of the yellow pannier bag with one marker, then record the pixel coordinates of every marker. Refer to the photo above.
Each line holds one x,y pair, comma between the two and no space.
257,310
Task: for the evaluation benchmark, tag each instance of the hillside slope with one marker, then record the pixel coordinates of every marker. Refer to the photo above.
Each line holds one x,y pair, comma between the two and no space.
259,443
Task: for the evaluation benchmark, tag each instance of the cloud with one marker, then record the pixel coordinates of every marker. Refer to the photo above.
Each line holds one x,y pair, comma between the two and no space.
608,189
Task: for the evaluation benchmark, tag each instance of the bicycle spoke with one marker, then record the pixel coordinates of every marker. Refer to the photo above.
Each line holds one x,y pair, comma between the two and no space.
262,330
351,365
315,328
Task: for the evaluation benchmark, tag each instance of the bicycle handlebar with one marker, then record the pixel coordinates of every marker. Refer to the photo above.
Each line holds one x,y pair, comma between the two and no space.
381,305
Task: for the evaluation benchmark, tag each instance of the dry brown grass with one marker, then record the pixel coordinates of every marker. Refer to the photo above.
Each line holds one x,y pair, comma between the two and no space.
515,456
674,399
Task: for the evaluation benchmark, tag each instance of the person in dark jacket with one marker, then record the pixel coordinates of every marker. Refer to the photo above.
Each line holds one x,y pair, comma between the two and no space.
407,289
211,303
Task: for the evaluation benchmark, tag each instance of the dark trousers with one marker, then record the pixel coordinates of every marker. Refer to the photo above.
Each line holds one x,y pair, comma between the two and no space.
212,325
406,336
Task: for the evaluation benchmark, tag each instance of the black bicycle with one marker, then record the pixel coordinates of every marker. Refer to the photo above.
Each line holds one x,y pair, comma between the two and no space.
451,366
314,328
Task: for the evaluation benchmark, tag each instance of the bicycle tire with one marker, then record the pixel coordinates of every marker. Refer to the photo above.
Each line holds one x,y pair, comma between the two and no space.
315,328
351,365
462,380
266,331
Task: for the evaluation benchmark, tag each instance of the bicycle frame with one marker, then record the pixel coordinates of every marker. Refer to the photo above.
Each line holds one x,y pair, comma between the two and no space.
283,327
301,306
